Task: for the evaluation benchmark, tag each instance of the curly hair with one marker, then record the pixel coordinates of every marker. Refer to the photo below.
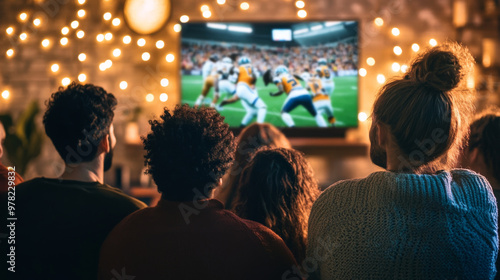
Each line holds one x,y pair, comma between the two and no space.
277,189
187,152
77,119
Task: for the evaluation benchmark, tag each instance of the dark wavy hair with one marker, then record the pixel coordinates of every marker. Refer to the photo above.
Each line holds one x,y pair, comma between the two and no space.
485,136
250,139
77,119
188,151
277,189
427,110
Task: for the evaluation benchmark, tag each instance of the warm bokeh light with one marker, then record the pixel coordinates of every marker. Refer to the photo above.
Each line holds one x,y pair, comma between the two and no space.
362,116
108,63
415,47
397,50
82,78
116,22
145,56
65,30
177,27
302,13
102,66
66,81
362,72
370,61
54,68
380,78
82,57
45,43
37,22
127,39
81,13
117,52
395,31
170,57
123,85
184,19
108,36
100,37
9,52
5,94
107,16
379,21
163,97
300,4
80,34
141,42
9,30
164,82
23,16
433,42
204,8
75,24
160,44
396,67
244,6
221,2
207,14
23,36
64,41
404,68
81,2
150,97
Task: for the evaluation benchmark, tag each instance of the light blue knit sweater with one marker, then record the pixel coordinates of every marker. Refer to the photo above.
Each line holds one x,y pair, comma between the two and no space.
404,226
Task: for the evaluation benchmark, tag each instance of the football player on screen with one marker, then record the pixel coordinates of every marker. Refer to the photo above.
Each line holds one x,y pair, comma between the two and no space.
225,84
245,90
209,72
297,95
322,87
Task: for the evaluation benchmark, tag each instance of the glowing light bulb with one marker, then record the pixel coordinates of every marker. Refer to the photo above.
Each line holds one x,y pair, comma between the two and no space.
204,8
64,41
370,61
145,56
170,57
177,27
82,78
433,42
66,81
45,43
141,42
55,67
108,36
221,2
379,21
415,47
184,19
102,66
37,22
207,14
81,13
82,57
244,6
75,24
23,16
9,30
164,82
362,116
81,2
380,78
127,39
150,97
163,97
116,22
65,30
10,52
80,34
100,37
160,44
107,16
117,52
397,50
23,36
108,63
5,94
300,4
395,31
404,68
123,85
396,67
362,72
302,13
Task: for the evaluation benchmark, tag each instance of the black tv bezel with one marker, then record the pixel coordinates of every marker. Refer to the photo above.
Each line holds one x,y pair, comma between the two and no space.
290,132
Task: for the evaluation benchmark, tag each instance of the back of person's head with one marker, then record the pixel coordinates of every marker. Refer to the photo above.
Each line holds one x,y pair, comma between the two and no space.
277,189
187,152
77,119
485,136
426,112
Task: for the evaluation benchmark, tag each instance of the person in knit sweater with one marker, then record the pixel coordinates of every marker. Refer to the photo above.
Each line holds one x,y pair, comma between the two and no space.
188,235
419,219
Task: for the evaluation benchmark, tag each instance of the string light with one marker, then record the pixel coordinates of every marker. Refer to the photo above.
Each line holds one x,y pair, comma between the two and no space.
10,52
150,97
362,116
362,72
184,19
107,16
170,57
37,22
415,47
370,61
65,30
433,42
82,57
177,27
379,21
396,67
23,16
123,85
380,78
80,34
244,6
45,43
300,4
23,36
9,30
100,37
116,22
160,44
145,56
75,24
55,67
302,13
164,82
204,8
108,36
82,78
207,14
221,2
5,94
117,52
397,50
395,31
163,97
81,13
127,39
108,63
81,2
64,41
404,68
66,81
141,42
102,66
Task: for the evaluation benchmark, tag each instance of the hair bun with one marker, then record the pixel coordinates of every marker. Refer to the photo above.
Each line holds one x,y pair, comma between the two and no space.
437,68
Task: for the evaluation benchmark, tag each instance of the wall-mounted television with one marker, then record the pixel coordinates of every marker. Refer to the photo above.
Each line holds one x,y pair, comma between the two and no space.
284,73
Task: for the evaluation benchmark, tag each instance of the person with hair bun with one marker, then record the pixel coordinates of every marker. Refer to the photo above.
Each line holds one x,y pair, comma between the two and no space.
419,219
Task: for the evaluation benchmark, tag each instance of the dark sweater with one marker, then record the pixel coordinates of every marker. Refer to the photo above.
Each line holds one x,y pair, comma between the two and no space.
205,242
62,224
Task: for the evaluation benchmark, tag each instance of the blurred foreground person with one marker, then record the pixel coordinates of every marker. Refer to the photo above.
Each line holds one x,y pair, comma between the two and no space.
420,219
188,235
278,189
6,175
63,222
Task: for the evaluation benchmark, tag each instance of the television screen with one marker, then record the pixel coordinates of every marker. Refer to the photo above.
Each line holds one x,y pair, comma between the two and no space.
241,69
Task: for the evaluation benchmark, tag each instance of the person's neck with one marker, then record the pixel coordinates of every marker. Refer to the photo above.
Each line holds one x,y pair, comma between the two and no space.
92,171
398,163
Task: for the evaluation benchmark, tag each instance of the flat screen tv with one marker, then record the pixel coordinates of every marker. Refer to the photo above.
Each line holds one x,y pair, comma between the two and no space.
294,75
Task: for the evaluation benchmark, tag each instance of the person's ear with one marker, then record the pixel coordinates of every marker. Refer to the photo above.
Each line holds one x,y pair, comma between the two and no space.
104,145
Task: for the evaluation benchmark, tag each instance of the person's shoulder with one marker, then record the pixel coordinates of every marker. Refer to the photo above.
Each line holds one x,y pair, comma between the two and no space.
119,196
343,186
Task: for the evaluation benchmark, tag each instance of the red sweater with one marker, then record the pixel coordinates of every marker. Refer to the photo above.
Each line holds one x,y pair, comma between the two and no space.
4,179
177,240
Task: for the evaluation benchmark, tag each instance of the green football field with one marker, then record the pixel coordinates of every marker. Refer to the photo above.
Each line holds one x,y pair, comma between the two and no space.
344,101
